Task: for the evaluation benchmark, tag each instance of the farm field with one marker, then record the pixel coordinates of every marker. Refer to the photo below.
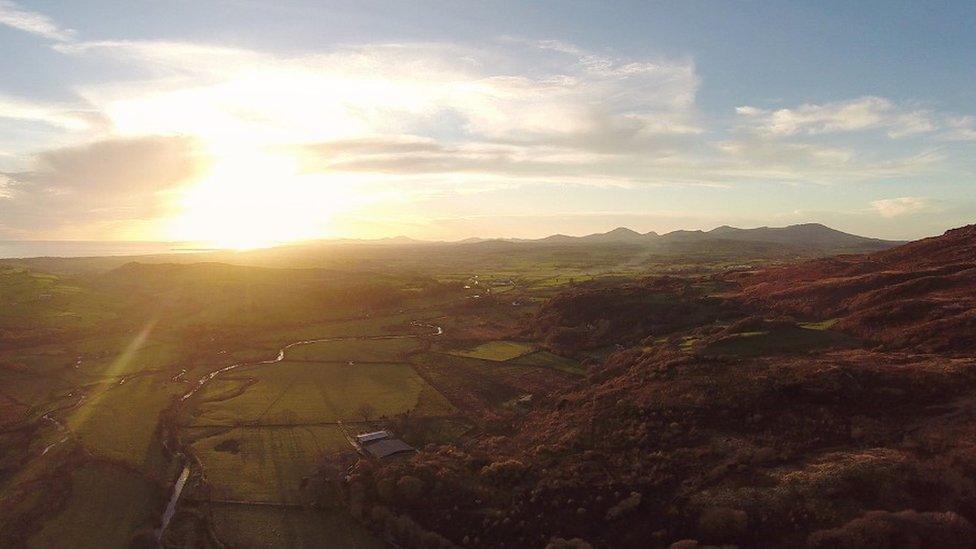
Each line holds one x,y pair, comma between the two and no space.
303,392
498,351
264,526
484,384
790,340
545,359
106,426
265,464
354,350
105,506
262,429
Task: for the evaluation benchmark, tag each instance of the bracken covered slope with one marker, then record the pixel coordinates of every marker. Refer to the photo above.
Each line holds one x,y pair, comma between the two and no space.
919,296
865,438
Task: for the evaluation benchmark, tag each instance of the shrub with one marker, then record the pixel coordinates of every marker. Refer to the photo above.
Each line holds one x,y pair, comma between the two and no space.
411,489
510,470
624,506
722,524
575,543
887,530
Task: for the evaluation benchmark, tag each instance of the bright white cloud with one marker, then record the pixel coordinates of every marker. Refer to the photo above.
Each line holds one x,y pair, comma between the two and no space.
859,114
439,90
906,205
39,24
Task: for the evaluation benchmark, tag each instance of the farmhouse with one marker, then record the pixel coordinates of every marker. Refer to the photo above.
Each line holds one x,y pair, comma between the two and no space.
381,444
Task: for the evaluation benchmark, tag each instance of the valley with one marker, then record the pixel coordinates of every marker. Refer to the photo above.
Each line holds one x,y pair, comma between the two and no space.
583,400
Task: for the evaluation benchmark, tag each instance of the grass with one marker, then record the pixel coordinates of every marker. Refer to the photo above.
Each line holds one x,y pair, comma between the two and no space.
119,421
822,325
478,384
105,507
792,340
364,350
302,392
253,526
265,464
548,360
498,351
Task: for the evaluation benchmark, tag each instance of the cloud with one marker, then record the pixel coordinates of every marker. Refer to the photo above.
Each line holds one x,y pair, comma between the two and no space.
39,24
906,205
497,92
409,121
778,159
528,111
960,128
61,116
105,181
863,113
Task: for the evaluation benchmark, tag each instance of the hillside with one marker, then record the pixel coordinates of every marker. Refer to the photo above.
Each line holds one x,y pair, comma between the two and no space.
825,404
918,296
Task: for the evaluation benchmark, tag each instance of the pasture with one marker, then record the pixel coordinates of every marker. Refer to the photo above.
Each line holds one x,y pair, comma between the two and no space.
265,464
498,351
266,526
295,393
789,340
354,350
104,505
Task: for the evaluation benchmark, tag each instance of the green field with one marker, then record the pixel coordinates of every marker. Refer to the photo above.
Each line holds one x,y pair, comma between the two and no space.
108,427
352,350
545,359
105,506
790,340
261,526
265,464
302,393
498,351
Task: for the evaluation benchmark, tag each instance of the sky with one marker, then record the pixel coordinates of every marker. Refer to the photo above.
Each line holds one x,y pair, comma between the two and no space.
243,123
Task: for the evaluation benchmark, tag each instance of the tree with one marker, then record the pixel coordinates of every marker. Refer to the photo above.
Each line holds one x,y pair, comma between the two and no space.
367,411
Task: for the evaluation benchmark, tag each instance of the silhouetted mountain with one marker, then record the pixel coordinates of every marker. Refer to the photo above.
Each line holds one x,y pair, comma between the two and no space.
807,233
620,234
805,236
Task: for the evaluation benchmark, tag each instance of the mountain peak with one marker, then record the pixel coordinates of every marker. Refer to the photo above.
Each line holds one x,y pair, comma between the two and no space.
623,231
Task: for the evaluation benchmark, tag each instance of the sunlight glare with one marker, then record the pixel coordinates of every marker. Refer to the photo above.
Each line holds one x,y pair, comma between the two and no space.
253,199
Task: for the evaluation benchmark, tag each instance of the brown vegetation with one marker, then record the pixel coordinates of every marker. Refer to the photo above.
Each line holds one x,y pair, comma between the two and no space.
868,446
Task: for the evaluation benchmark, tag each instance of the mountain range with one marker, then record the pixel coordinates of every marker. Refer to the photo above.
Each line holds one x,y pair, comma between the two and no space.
807,237
806,233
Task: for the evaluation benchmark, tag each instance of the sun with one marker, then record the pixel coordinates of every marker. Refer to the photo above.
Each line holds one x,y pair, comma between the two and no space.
253,199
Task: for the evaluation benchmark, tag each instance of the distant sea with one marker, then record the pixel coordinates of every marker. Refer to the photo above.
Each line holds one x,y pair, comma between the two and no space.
79,248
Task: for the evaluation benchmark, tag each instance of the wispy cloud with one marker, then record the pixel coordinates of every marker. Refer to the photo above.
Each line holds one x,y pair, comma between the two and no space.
68,117
490,93
960,128
905,205
33,22
863,113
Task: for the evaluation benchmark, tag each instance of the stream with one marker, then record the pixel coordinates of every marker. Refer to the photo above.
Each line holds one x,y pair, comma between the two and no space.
185,474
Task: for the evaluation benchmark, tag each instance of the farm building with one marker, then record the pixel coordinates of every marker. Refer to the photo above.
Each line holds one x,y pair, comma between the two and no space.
381,444
365,438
